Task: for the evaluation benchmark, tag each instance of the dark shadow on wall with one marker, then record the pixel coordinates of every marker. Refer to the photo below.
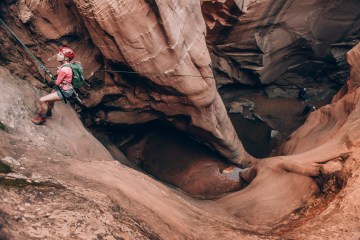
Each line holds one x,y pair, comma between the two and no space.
255,135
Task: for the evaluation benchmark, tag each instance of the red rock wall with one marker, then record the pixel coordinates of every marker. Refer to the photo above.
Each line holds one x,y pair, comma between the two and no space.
163,41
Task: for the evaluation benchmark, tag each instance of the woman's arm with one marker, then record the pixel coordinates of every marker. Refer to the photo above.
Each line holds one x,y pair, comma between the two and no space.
63,72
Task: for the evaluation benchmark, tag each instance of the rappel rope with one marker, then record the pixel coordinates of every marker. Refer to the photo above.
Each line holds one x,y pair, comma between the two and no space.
41,65
148,73
31,54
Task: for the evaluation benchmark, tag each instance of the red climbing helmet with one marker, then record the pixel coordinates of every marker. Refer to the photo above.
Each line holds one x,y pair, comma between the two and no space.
67,51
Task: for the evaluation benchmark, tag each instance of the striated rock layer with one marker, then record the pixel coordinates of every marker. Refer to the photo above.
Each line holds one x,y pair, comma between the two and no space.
163,43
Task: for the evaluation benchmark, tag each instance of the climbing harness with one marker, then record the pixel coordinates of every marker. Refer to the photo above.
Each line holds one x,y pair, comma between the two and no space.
41,65
75,94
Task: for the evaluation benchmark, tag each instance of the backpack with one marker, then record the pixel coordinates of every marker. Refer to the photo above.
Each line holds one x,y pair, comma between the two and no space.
77,74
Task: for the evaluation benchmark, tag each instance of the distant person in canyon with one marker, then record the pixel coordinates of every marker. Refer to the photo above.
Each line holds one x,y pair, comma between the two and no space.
63,82
303,97
308,109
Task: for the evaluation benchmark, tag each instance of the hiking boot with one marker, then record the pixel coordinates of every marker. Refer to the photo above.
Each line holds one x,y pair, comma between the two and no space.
38,120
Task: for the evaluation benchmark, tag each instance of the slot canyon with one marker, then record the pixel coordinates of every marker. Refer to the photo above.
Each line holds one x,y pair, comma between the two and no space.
199,119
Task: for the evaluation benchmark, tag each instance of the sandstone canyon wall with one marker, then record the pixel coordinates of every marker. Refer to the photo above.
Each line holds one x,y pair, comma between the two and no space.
249,42
149,60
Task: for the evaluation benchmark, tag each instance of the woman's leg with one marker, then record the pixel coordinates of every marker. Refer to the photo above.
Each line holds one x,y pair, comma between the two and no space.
50,105
46,100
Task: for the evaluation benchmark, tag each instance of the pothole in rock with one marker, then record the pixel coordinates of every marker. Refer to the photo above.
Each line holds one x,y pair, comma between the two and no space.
175,158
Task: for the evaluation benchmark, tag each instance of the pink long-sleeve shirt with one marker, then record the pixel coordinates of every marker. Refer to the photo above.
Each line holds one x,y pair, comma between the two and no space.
64,76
